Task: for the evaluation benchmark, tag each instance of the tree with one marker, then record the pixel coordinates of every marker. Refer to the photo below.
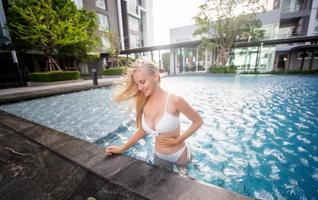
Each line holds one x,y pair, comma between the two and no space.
82,51
226,21
166,61
50,26
114,47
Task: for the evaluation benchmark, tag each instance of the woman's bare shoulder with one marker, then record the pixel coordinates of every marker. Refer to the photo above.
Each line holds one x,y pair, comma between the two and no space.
176,98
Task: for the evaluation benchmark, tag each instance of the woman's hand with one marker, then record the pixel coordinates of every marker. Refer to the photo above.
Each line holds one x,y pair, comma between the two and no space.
114,150
167,141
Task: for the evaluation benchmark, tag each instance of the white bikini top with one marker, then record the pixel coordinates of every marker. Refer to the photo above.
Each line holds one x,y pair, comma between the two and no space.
167,123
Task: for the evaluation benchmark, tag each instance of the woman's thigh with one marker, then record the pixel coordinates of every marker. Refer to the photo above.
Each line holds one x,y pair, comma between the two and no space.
163,163
185,158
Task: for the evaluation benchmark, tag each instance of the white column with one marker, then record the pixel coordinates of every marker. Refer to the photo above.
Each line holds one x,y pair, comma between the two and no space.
246,54
120,21
206,60
312,21
172,61
197,60
183,59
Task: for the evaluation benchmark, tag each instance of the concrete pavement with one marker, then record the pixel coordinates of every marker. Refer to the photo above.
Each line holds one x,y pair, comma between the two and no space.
25,93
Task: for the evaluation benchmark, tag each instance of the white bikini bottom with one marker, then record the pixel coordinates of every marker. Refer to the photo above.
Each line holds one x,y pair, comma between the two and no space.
174,157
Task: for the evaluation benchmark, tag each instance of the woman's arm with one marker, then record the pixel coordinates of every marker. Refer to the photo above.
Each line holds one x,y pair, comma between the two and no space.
193,115
183,107
140,133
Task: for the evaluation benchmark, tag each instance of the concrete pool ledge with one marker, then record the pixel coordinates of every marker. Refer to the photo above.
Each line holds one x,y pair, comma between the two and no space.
136,176
27,93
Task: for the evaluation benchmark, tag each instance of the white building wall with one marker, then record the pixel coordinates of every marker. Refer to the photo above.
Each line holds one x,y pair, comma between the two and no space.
148,24
183,34
145,13
313,22
269,19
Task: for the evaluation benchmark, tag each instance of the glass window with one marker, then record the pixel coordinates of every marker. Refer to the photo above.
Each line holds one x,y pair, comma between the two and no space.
285,32
103,22
105,43
101,4
270,31
134,41
276,4
133,23
133,7
306,55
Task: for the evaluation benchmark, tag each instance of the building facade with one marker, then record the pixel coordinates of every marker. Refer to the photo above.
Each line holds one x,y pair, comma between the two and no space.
131,20
137,23
283,19
5,38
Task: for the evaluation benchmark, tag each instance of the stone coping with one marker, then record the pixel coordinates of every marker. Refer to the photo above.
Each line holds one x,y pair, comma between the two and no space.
146,180
30,171
28,95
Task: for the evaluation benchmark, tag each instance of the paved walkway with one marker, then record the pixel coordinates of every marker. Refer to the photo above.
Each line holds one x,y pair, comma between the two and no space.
25,93
38,88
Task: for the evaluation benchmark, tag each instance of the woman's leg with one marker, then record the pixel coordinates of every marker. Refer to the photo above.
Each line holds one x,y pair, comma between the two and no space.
185,158
163,163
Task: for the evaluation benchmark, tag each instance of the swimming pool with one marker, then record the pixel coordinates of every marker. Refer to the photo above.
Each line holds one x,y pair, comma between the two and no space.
259,136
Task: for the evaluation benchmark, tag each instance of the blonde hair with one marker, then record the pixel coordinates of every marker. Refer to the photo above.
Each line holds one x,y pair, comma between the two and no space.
130,88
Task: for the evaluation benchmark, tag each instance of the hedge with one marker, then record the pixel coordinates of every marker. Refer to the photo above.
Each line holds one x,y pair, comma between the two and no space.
222,70
114,71
295,72
54,76
124,59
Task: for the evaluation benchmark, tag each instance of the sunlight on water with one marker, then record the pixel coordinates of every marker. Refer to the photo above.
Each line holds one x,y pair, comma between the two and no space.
259,136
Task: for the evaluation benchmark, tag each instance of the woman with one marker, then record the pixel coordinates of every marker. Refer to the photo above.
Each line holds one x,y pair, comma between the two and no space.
157,112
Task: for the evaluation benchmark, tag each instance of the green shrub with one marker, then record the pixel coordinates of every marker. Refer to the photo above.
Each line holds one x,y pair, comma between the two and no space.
295,72
54,76
250,72
84,75
222,70
122,60
303,72
114,71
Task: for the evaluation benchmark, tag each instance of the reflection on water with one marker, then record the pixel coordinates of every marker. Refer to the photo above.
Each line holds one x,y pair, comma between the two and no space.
259,136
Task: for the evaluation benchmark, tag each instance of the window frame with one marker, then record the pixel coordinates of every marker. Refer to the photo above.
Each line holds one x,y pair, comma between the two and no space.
100,25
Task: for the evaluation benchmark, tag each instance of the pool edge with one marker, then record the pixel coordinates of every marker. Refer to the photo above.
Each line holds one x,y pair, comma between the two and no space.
137,176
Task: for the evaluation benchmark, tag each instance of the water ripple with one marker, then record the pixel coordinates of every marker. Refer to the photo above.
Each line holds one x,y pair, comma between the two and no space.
259,137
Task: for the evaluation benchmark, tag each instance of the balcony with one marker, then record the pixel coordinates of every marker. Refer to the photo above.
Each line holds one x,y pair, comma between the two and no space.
288,32
295,9
290,9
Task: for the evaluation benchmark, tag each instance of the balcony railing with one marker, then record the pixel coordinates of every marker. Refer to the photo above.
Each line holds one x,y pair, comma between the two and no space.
290,9
288,35
294,7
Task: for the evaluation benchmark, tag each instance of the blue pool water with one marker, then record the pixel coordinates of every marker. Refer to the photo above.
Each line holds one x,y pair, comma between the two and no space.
259,136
